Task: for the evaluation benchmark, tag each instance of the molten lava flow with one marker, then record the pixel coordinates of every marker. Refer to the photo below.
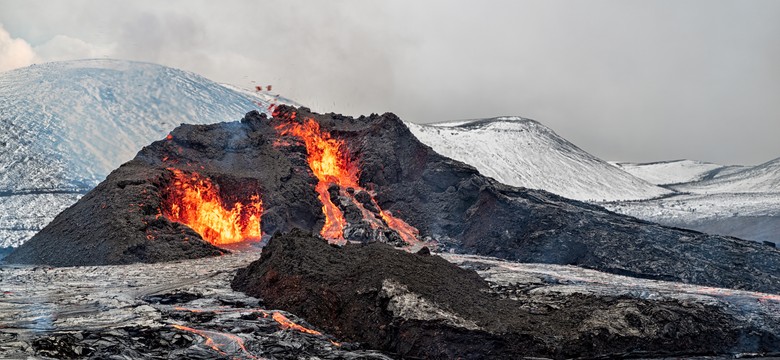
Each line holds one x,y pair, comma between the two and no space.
282,320
195,201
288,324
331,165
409,233
223,343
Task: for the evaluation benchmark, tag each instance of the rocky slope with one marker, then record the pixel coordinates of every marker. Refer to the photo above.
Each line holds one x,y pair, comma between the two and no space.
422,306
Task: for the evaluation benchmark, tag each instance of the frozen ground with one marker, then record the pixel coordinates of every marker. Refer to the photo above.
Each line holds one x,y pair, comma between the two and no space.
741,201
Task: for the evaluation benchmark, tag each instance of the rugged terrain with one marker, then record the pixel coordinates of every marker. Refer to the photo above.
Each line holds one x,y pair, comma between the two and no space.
187,310
422,306
449,204
740,201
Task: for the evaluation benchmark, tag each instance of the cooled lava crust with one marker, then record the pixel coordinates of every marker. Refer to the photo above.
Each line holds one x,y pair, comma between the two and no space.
422,306
449,203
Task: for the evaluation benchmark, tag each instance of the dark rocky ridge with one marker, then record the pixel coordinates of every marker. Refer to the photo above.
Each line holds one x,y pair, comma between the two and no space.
421,306
448,201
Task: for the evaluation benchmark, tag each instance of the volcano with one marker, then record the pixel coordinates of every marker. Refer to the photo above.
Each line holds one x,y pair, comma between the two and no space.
363,179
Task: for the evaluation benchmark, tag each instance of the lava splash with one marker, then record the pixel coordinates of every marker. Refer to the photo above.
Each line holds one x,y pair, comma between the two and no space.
338,176
195,201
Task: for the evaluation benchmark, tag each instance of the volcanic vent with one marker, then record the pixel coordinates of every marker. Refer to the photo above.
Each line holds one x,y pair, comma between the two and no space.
196,202
367,179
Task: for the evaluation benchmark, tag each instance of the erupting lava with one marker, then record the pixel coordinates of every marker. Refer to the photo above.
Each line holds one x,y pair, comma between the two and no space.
330,163
195,201
330,166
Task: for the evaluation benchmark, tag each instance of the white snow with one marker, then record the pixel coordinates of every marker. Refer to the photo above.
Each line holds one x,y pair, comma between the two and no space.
523,152
764,178
670,172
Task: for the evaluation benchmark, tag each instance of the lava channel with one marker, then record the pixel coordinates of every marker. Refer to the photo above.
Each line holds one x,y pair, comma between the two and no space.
329,161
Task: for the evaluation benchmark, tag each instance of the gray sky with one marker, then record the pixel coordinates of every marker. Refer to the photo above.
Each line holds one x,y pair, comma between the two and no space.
624,80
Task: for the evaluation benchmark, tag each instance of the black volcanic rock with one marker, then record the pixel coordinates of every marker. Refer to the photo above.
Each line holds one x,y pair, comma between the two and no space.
421,306
449,202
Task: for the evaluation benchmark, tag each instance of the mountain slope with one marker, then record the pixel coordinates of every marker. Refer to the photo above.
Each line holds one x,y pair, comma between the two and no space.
672,172
66,125
523,152
764,178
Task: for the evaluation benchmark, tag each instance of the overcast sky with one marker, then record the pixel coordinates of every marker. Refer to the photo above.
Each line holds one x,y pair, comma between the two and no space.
624,80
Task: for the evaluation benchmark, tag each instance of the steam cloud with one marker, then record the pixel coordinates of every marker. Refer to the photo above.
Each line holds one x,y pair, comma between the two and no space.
14,53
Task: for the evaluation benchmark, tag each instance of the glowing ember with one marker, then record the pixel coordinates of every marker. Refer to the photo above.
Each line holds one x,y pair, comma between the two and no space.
195,202
329,161
224,343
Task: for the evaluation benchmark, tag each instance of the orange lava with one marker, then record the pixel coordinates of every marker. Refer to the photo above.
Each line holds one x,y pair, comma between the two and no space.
330,165
288,324
409,233
194,201
223,343
329,161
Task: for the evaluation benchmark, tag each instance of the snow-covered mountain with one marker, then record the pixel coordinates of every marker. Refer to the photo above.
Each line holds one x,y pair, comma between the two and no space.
66,125
728,200
523,152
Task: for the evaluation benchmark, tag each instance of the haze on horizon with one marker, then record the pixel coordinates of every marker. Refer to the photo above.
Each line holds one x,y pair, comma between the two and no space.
628,81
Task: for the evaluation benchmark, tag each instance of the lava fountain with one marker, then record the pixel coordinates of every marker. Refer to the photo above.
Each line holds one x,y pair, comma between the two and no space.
329,161
195,201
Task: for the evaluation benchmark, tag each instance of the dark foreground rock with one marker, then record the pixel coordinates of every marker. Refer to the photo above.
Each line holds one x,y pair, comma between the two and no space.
450,203
418,305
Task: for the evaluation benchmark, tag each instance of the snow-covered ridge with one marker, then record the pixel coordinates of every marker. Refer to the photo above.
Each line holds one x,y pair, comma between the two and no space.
763,178
670,172
523,152
66,125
